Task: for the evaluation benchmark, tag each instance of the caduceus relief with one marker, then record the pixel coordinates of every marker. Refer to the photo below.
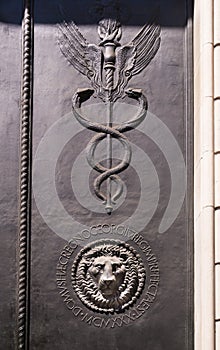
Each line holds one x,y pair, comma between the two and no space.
109,67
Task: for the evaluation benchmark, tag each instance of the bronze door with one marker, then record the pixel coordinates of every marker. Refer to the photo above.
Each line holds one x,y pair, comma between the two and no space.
96,210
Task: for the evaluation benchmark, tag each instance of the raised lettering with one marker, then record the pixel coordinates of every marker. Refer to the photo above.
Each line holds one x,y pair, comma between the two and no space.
70,304
72,244
105,323
61,283
97,322
77,310
63,260
61,268
108,228
152,289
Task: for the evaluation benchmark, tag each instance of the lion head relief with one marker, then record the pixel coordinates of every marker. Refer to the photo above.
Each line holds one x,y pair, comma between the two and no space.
108,273
108,276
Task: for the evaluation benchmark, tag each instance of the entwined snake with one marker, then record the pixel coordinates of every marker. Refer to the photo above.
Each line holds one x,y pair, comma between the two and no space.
115,131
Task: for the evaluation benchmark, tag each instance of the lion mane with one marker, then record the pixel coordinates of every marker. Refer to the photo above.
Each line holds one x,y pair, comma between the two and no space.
88,291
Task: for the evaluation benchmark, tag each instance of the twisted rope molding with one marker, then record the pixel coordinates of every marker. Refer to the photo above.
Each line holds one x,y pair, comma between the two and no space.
25,176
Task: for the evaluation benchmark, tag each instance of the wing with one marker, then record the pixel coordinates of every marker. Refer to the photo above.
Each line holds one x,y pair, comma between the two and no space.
135,56
85,57
146,43
125,60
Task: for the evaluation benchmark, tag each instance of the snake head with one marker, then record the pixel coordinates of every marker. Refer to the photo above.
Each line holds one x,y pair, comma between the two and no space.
81,96
134,93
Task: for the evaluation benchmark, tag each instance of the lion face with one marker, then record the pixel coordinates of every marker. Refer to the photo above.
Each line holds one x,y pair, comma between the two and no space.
108,276
108,273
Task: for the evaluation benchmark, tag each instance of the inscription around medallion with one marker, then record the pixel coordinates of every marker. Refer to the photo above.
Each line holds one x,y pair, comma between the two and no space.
136,308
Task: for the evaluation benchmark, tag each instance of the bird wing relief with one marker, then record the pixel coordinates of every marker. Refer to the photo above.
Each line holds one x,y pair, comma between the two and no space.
133,57
84,57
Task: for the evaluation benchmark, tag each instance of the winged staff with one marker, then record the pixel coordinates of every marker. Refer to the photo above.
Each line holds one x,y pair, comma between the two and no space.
109,66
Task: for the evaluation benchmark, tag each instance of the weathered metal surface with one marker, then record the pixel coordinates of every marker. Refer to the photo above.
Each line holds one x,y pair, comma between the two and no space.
118,281
65,313
10,77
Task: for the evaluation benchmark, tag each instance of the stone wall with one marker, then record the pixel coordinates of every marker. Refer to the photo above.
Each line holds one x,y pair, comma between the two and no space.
207,173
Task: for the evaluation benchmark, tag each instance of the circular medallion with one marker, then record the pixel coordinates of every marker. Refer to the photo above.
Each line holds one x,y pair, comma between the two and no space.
108,276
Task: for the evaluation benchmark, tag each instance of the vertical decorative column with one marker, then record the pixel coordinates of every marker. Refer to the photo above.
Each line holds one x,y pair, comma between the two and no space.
25,180
217,165
204,174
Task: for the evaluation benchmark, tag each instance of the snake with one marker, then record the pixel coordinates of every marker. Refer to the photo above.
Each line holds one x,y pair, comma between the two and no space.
116,131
